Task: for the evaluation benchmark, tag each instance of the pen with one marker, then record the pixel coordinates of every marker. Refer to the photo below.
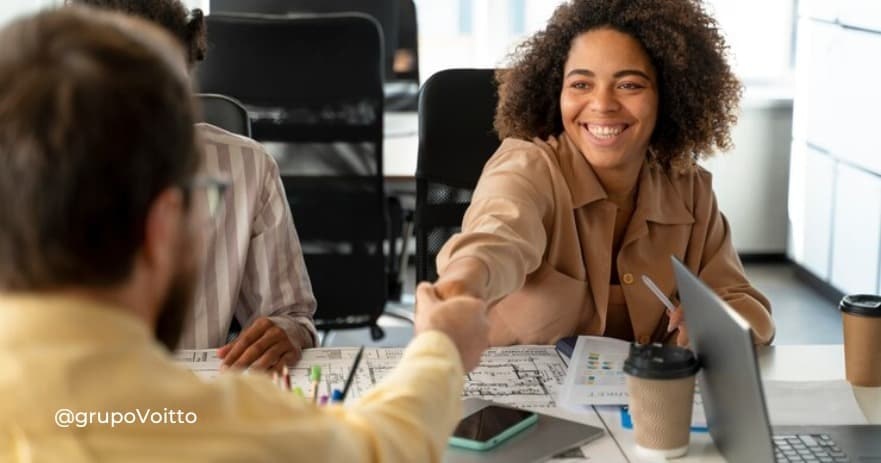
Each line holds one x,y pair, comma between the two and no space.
660,295
315,377
352,373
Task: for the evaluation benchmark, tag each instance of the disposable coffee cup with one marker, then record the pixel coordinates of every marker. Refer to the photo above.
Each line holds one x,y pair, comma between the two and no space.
861,317
660,382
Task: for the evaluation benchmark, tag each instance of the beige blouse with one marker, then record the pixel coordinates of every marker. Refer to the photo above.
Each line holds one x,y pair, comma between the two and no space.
541,222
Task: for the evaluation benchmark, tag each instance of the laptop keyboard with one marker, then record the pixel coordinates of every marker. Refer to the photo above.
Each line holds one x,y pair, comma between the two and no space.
813,448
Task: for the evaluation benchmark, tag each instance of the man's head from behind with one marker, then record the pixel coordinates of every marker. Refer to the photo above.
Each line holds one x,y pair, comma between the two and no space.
188,27
98,150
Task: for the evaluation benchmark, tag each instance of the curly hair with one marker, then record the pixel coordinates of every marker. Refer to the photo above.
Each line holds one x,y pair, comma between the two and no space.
188,27
698,92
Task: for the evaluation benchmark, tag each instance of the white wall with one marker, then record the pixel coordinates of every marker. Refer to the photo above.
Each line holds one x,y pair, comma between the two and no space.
835,175
10,9
203,4
751,180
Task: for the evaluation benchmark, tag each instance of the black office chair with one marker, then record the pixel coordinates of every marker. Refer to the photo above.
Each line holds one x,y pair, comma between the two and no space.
456,137
385,12
225,112
311,83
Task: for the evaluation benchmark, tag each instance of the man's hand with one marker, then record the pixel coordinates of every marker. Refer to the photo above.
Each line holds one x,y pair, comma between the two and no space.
677,321
462,318
262,346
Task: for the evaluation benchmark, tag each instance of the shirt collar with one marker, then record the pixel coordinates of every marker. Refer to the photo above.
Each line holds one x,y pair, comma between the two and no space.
657,200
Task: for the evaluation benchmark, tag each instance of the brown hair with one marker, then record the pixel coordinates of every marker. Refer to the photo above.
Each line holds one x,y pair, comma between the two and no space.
96,119
698,93
187,26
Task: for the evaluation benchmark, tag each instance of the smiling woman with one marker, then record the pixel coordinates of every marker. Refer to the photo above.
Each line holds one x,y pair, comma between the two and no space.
609,100
603,115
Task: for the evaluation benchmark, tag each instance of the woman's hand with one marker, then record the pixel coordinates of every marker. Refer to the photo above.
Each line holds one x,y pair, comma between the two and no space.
467,276
677,321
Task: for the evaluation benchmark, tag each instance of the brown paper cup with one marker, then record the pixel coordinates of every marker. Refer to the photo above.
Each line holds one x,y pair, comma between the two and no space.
862,349
661,414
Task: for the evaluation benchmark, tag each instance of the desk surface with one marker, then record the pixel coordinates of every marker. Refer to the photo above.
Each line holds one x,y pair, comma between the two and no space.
790,363
400,145
780,363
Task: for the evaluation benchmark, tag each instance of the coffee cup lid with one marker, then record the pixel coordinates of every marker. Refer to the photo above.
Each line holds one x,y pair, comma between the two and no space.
867,305
659,361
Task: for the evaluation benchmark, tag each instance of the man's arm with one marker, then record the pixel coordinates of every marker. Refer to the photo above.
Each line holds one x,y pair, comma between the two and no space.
408,417
275,293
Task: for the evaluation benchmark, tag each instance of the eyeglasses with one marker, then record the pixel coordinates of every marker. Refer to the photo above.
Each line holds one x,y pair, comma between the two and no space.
207,195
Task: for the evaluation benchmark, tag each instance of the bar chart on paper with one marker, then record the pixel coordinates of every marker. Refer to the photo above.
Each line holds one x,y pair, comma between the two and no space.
595,375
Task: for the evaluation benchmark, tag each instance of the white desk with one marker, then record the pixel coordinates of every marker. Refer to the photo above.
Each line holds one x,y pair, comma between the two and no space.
791,363
400,148
400,145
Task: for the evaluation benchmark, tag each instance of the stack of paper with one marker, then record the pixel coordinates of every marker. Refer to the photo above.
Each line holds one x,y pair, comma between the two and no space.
595,375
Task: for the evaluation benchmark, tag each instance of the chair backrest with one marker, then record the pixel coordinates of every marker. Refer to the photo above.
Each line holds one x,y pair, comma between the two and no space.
225,112
295,74
385,12
313,86
456,137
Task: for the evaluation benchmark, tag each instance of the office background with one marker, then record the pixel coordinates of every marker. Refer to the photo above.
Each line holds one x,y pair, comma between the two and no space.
801,189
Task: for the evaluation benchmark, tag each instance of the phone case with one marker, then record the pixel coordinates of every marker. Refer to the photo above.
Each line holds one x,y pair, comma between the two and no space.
497,439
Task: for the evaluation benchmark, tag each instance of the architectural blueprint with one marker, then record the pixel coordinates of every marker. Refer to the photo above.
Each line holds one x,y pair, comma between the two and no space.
203,362
522,376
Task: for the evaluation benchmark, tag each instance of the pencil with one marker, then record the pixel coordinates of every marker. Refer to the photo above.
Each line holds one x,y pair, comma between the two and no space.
352,373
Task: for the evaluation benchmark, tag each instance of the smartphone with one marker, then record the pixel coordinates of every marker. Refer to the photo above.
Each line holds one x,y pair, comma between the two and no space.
490,426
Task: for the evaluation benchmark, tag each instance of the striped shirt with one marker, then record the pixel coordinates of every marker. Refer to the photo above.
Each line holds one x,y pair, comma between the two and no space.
253,260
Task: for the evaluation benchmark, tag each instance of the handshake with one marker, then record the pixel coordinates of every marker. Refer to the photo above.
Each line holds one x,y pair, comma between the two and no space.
461,317
456,305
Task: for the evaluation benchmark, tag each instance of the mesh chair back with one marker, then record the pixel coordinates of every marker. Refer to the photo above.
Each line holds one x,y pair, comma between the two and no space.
295,74
385,12
316,80
225,112
456,137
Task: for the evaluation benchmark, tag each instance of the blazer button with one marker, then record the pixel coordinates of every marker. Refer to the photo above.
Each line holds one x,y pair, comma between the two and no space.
627,278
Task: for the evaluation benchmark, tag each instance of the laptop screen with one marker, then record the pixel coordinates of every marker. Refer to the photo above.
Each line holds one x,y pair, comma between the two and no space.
729,380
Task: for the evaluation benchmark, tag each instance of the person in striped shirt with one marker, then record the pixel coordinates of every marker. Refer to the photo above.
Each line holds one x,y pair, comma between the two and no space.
254,269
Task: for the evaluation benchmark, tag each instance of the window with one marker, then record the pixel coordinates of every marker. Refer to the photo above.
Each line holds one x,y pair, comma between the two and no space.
482,33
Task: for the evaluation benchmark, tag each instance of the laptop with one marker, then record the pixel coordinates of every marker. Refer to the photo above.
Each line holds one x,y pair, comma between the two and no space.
733,399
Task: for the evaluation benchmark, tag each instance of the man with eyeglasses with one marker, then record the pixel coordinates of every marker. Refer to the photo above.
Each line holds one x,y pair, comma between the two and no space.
254,269
101,201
